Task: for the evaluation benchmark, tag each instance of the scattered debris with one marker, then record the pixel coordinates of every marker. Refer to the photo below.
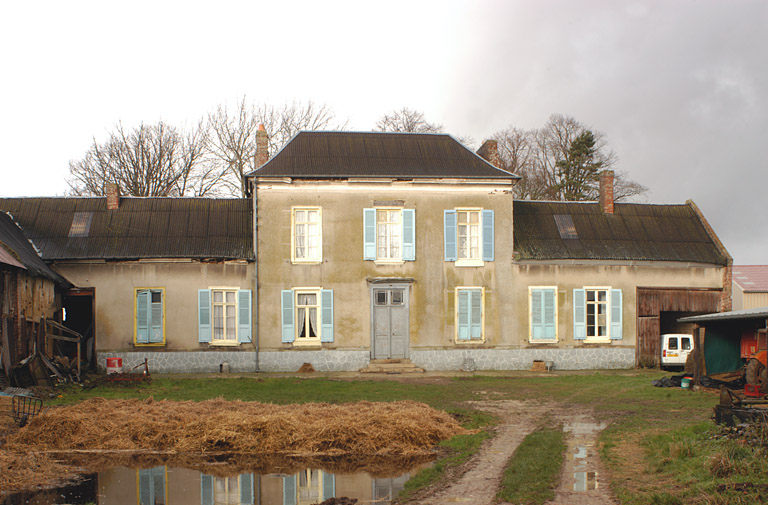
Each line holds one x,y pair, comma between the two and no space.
341,500
306,367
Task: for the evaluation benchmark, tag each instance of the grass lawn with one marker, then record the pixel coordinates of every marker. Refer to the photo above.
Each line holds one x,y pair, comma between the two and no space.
659,447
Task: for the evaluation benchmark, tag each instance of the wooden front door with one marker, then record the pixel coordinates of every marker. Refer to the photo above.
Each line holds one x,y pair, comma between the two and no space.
389,307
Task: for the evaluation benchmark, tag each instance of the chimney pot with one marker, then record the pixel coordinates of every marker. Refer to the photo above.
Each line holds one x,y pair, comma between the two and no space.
113,196
489,151
606,191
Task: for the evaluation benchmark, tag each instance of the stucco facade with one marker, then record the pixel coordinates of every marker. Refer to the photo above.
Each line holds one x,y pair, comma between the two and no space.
115,286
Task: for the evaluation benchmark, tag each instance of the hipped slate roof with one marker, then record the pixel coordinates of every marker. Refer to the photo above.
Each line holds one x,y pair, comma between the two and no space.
198,228
322,155
751,278
638,232
17,251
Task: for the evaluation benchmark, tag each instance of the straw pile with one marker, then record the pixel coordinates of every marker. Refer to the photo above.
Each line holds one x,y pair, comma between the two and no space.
218,426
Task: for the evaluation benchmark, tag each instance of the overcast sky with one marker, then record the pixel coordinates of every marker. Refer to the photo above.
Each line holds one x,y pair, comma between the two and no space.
679,88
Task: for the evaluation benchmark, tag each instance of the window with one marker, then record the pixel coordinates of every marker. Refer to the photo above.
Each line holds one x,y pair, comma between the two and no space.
152,489
236,490
149,321
307,238
469,236
672,343
597,314
307,315
224,316
389,235
686,343
543,313
470,314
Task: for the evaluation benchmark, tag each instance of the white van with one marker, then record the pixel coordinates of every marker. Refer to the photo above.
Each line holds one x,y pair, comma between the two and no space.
675,348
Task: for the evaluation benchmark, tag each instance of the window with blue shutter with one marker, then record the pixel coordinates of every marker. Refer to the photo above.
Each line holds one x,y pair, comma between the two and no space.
488,232
579,314
449,231
326,303
149,316
244,306
543,314
616,314
409,235
286,309
204,315
469,314
369,234
329,485
152,485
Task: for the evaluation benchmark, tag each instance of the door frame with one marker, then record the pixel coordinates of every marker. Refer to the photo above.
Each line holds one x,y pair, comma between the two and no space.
405,285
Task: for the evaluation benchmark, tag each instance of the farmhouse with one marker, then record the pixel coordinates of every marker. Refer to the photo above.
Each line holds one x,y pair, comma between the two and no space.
356,250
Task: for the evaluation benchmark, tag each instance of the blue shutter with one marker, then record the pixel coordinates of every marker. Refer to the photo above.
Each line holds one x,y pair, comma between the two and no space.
206,489
289,490
244,315
537,315
145,487
369,234
488,235
462,314
286,309
579,314
449,225
329,485
156,318
204,315
246,489
616,314
550,324
142,317
409,234
326,307
476,314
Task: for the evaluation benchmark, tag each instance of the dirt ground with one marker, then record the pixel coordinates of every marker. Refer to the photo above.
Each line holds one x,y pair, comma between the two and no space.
478,481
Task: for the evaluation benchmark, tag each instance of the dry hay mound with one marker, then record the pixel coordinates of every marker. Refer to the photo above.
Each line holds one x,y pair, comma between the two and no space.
217,426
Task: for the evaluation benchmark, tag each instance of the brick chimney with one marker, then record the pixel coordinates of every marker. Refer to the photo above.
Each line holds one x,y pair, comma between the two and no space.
113,196
262,146
489,151
606,191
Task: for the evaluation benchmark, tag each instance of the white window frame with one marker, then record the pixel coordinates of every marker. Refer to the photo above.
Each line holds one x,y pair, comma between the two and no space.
312,490
230,340
470,341
317,258
313,341
600,339
469,261
392,226
530,317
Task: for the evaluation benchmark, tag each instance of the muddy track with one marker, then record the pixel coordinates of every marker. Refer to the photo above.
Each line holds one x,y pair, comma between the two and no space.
479,480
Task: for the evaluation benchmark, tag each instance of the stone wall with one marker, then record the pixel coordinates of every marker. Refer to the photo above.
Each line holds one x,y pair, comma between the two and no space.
183,362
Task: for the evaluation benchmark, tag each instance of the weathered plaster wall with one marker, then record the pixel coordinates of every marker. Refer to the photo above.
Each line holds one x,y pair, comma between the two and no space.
114,286
344,270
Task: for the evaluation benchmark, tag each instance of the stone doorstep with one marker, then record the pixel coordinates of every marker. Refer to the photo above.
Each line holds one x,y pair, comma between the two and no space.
391,366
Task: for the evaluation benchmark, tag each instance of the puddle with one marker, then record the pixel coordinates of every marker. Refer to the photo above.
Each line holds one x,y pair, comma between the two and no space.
582,456
162,485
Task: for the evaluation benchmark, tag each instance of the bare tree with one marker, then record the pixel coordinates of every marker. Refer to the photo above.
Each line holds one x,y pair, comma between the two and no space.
232,134
150,160
407,120
561,161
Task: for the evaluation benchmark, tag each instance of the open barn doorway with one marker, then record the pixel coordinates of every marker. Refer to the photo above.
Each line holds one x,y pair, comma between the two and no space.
78,315
657,313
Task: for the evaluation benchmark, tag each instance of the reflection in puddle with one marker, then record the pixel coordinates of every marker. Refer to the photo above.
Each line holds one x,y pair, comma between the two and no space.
162,485
581,448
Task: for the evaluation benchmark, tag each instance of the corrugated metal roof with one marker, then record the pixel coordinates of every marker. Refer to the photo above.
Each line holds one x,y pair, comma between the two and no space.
756,313
639,232
751,278
140,228
314,154
12,238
